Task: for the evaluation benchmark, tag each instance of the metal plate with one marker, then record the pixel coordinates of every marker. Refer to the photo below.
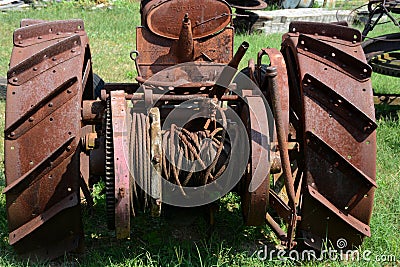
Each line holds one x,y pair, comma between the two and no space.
165,17
157,53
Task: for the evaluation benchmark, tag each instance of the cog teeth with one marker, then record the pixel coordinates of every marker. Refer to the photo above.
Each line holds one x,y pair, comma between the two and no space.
109,179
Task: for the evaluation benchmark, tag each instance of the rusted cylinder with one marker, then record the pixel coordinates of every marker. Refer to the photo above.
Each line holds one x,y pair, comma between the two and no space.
227,74
275,228
282,136
234,63
157,97
92,112
185,42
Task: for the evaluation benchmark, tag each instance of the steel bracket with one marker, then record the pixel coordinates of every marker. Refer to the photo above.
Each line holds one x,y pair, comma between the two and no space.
333,57
44,60
46,31
341,107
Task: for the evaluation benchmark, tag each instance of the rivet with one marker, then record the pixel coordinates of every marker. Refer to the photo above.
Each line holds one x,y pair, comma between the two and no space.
15,79
30,119
50,104
54,58
35,68
40,37
73,50
68,148
12,133
69,91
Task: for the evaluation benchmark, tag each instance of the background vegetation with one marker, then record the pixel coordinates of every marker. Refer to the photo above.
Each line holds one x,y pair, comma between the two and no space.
161,242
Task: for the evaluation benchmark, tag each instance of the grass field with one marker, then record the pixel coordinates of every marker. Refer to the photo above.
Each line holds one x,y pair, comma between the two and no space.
156,242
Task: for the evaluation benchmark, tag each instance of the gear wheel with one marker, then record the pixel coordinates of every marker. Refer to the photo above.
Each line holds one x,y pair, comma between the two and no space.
110,177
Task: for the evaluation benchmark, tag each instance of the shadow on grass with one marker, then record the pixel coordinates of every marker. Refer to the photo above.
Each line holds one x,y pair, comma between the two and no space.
384,111
181,237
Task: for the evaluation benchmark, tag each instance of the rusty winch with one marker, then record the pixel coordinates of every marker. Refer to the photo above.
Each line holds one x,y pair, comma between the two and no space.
295,138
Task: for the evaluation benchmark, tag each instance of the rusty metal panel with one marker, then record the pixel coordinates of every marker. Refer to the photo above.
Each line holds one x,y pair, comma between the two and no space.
164,18
157,53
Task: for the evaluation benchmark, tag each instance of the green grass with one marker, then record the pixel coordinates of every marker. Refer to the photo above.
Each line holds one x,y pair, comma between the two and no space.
166,242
